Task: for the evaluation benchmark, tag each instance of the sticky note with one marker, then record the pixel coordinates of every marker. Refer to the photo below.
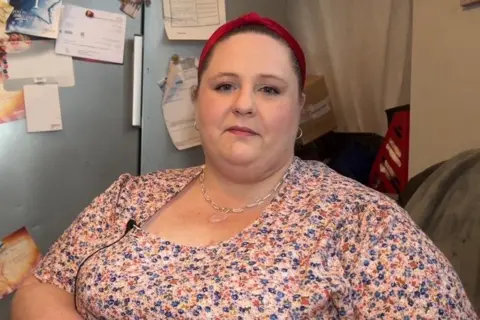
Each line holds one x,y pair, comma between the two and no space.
42,107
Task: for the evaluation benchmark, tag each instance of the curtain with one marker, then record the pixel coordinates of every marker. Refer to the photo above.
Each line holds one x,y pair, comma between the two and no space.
363,48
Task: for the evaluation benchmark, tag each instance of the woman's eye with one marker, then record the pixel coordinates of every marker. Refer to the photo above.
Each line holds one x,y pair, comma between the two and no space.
224,87
270,90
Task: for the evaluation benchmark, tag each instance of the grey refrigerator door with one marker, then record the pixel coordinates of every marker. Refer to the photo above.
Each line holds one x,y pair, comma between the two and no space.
157,150
46,179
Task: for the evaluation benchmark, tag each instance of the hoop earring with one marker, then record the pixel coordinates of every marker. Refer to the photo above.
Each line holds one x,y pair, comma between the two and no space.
194,92
300,134
195,126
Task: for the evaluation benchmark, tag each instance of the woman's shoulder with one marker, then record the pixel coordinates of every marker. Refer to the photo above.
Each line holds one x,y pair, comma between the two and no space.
353,208
165,178
331,188
171,176
316,175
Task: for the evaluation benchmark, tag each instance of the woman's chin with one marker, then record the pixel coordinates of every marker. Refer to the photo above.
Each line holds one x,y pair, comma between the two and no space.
242,157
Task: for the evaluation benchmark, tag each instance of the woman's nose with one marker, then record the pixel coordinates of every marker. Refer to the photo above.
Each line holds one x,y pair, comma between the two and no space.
244,103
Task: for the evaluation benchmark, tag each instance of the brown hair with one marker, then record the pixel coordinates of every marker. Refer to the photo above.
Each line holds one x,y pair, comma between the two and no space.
258,29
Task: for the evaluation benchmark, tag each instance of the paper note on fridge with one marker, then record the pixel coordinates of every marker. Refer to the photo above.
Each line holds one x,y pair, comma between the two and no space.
178,108
192,19
42,107
92,34
38,60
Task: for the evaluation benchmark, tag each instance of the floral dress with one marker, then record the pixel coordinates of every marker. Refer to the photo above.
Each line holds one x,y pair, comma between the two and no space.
326,247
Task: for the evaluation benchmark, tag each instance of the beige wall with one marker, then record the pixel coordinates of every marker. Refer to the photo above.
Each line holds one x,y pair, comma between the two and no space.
445,90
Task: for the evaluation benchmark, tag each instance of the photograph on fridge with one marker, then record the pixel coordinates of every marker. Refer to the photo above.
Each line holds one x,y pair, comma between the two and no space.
18,255
35,17
12,104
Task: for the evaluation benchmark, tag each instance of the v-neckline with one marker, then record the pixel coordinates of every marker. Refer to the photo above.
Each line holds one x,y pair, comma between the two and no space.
228,242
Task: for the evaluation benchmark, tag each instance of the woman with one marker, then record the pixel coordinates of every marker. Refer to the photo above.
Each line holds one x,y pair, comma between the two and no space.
255,233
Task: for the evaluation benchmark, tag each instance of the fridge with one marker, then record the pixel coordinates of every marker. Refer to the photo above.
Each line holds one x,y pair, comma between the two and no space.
46,179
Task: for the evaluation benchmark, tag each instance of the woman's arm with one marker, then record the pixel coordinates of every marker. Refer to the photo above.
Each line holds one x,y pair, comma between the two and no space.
39,301
48,292
397,272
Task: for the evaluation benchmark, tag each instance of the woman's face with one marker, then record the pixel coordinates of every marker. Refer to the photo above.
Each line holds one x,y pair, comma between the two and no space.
248,104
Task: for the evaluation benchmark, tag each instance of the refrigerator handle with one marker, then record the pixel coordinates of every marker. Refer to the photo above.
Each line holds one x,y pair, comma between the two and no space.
137,80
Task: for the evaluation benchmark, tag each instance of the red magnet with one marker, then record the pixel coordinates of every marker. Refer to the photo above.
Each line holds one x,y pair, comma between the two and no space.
89,13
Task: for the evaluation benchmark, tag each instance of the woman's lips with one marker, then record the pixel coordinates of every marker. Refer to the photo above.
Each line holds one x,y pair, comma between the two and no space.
241,131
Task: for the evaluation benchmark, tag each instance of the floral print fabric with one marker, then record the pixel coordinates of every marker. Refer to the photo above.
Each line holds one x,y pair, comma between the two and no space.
326,247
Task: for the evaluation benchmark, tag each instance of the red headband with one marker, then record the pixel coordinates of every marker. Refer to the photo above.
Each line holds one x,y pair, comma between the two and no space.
255,19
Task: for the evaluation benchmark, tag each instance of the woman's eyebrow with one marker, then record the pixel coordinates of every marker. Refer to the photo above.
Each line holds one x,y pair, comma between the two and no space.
260,76
271,76
225,74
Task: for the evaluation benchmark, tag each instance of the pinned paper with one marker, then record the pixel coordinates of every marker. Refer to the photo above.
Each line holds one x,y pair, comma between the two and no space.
18,256
178,108
38,60
193,19
92,34
35,17
42,106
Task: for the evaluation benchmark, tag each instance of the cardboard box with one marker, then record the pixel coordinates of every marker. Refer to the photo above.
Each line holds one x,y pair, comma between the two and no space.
317,116
468,2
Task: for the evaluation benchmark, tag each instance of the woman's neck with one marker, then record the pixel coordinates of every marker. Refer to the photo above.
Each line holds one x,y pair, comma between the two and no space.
237,187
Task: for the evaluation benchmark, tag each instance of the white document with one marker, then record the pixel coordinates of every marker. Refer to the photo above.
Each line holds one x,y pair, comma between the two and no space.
178,108
39,61
92,34
42,107
193,19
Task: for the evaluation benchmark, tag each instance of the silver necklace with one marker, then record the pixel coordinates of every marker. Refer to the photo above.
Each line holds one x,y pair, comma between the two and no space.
222,213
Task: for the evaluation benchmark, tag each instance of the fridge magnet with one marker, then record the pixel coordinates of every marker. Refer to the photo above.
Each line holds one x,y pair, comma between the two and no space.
35,17
133,7
18,256
3,65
